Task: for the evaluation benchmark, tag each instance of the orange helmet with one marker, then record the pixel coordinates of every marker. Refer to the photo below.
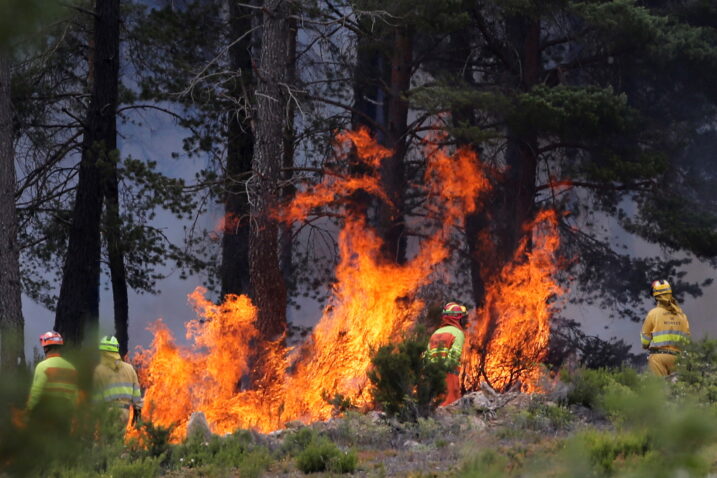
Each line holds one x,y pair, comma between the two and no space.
454,314
453,309
51,338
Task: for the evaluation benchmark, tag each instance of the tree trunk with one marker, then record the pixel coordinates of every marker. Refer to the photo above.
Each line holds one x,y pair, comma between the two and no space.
518,190
240,148
368,105
78,305
267,282
391,222
286,231
476,223
118,274
12,354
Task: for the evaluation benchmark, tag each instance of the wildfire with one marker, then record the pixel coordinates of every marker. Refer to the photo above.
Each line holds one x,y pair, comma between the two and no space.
510,335
373,302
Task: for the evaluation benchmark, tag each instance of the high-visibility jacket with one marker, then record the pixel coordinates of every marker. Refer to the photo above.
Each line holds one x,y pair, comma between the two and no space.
115,381
665,330
55,381
446,344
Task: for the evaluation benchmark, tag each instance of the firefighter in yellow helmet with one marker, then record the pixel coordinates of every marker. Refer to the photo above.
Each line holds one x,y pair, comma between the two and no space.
54,392
115,381
665,330
446,344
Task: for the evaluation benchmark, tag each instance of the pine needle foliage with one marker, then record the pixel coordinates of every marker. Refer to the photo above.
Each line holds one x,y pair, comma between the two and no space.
406,385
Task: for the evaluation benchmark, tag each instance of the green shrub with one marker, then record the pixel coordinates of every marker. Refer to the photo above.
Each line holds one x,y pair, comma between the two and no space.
254,463
340,404
358,429
487,464
544,417
405,385
231,451
589,384
296,442
145,468
604,448
155,438
322,455
697,371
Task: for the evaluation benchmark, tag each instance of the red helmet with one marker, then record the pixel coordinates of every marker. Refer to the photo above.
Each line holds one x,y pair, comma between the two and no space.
51,338
453,309
454,314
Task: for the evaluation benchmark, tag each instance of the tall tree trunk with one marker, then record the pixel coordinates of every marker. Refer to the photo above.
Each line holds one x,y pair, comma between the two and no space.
12,343
476,223
513,202
518,190
240,148
267,282
368,105
286,231
118,274
78,305
391,220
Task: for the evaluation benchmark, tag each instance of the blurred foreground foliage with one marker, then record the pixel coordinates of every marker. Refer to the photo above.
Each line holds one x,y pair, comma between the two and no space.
96,447
646,426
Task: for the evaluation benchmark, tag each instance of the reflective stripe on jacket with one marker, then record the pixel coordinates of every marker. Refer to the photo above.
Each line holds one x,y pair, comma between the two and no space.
446,344
116,381
664,329
56,379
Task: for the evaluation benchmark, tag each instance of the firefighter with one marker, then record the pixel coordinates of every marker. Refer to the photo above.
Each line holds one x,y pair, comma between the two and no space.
665,330
54,392
446,344
115,382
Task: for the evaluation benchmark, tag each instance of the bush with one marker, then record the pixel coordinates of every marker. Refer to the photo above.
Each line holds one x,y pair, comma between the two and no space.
145,468
254,463
322,455
340,404
233,451
604,448
358,429
697,371
296,442
487,464
405,385
544,417
155,438
588,385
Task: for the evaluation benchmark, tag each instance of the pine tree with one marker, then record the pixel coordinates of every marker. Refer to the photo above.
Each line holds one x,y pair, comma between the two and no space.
12,347
78,304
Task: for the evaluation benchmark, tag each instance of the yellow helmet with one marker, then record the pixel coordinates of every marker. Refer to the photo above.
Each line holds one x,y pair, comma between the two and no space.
109,344
660,287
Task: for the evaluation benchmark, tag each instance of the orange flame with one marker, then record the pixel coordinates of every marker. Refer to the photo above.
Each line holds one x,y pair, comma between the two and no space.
510,336
373,302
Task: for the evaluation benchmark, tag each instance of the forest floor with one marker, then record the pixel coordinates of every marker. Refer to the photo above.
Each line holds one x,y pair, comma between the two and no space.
513,426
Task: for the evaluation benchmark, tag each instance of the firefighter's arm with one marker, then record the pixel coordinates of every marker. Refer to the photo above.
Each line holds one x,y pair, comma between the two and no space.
646,333
687,326
38,385
136,392
457,349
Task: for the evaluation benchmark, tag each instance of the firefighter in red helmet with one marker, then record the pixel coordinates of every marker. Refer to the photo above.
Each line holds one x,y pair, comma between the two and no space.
446,344
54,391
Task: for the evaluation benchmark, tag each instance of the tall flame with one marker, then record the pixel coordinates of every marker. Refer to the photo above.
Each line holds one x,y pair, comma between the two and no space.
372,303
510,336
